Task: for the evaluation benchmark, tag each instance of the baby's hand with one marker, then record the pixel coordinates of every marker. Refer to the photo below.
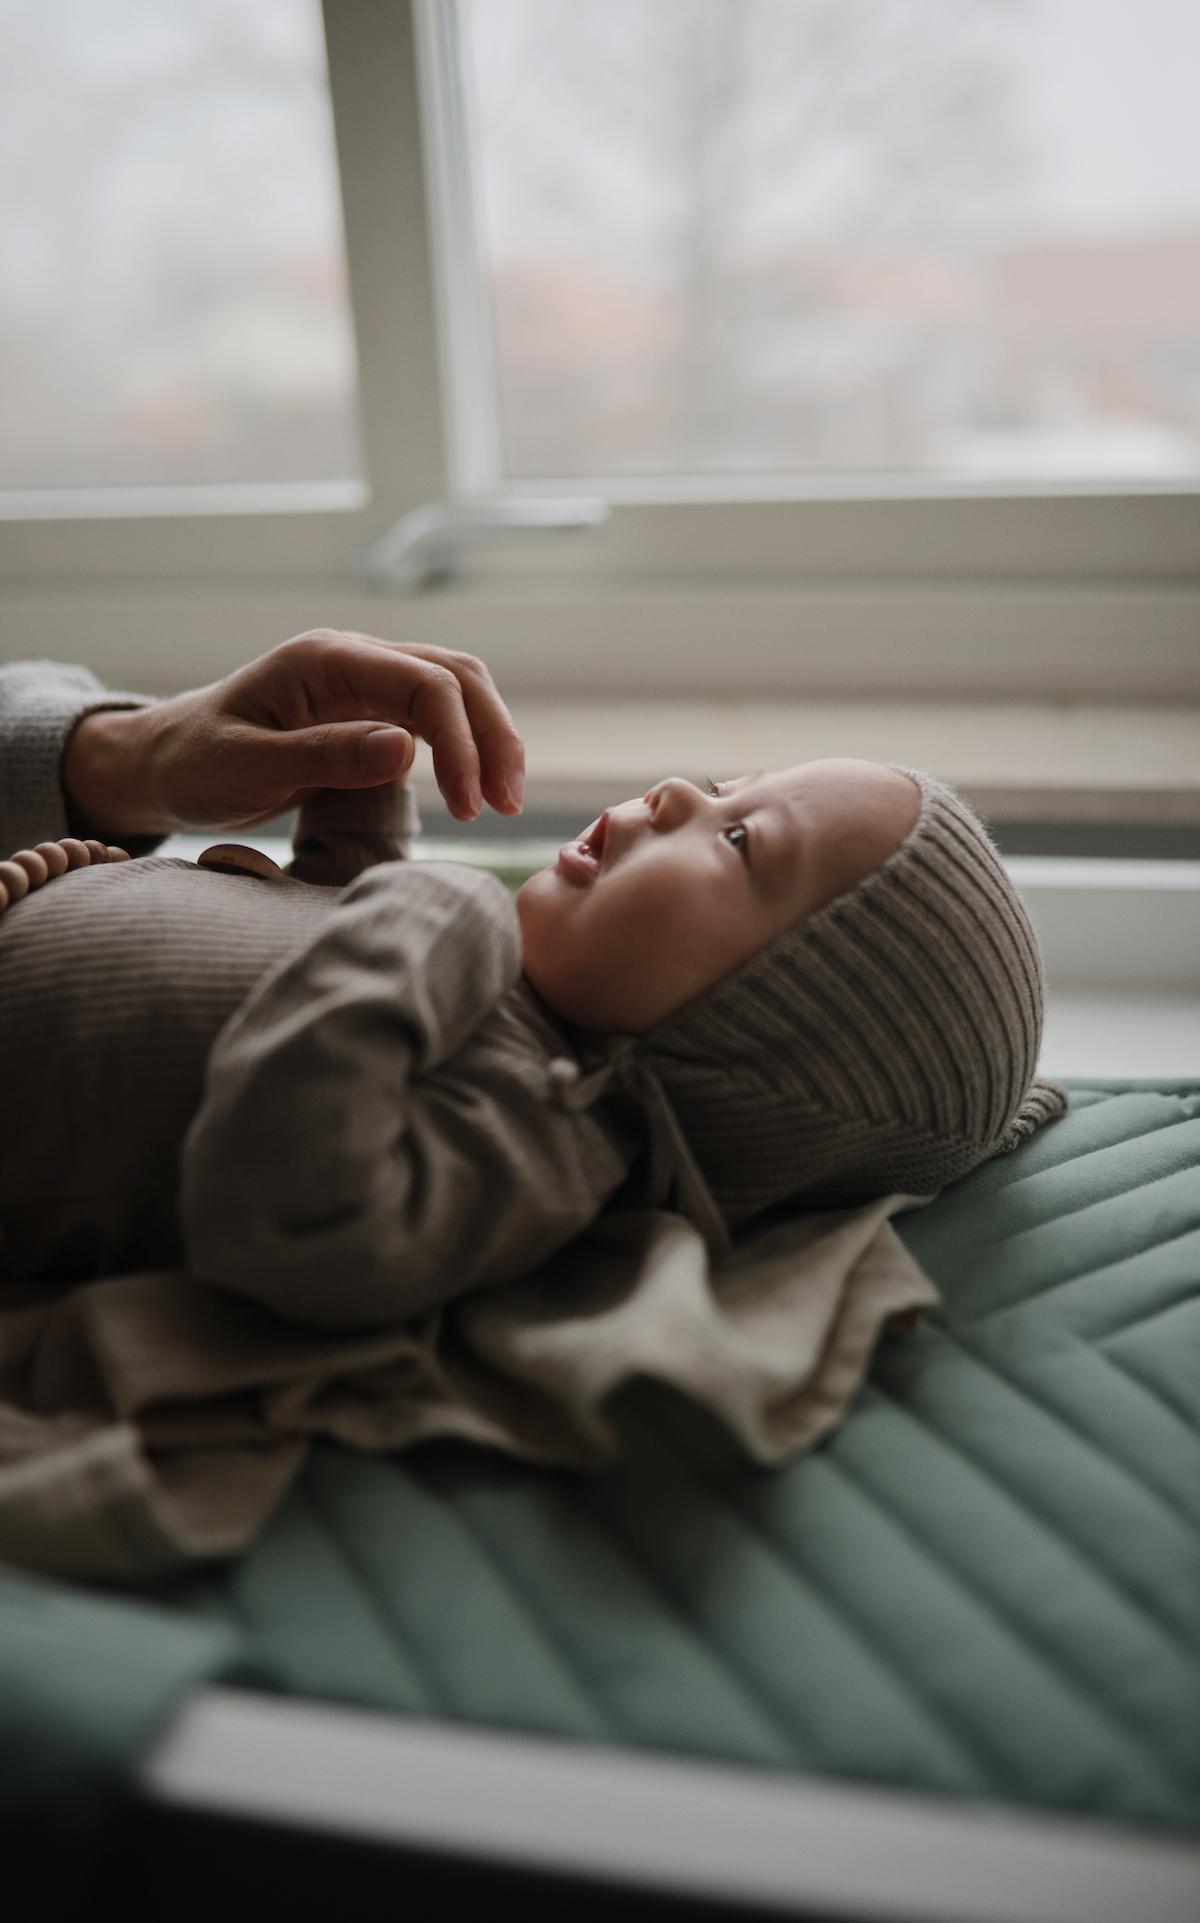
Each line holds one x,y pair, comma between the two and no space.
34,867
340,832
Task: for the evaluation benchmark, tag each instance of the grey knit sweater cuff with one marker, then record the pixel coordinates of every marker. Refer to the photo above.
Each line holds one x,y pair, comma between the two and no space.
40,702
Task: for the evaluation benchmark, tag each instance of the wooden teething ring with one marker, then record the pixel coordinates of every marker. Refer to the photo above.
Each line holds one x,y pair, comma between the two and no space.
231,858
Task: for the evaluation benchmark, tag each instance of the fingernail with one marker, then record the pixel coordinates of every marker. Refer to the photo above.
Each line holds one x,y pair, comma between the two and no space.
472,794
514,791
379,750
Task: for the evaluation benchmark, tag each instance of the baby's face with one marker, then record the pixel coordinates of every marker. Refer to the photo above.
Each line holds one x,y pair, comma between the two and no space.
688,886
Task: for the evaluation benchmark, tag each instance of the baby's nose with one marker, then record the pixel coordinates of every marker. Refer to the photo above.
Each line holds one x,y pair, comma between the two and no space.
675,798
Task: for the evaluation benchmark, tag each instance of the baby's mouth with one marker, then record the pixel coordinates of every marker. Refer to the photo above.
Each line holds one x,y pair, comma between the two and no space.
583,860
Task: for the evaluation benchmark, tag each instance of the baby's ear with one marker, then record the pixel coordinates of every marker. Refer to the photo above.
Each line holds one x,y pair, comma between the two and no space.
341,832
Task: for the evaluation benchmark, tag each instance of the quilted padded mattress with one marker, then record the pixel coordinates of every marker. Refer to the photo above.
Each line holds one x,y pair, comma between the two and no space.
985,1585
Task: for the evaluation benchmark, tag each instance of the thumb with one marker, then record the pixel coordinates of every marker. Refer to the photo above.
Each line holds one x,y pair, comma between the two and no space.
345,754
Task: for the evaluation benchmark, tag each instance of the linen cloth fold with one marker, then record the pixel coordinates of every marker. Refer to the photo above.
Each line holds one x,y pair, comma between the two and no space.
147,1422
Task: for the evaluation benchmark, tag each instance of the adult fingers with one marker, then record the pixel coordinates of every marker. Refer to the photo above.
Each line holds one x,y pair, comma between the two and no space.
500,748
447,697
341,754
452,688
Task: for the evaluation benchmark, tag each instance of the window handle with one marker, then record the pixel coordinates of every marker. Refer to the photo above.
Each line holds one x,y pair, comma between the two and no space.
427,544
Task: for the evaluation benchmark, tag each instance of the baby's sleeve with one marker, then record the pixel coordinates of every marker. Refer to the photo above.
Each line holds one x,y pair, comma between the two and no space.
341,832
302,1183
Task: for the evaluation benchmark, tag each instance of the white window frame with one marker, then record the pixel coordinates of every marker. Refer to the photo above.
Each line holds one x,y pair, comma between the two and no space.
848,585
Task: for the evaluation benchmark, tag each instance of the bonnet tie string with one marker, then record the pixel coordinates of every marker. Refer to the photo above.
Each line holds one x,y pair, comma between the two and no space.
1043,1100
671,1159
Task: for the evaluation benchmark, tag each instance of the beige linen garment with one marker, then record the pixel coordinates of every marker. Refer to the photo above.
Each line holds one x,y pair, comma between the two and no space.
389,1229
144,1425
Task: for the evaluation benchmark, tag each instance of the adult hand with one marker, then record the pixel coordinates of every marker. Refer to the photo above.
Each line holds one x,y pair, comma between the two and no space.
326,709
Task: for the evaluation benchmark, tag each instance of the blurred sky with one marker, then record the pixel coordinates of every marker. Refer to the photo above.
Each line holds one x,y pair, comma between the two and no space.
1089,64
1088,72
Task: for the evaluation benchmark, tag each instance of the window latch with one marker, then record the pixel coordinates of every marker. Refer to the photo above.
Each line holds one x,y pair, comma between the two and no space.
427,545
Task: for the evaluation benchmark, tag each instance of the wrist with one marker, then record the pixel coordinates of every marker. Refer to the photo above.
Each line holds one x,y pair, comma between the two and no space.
102,776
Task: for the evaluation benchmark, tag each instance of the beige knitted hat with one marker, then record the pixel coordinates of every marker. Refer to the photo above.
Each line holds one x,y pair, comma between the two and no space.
887,1044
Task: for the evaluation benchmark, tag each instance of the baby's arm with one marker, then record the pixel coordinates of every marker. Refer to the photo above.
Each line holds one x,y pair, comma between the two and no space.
341,832
313,1179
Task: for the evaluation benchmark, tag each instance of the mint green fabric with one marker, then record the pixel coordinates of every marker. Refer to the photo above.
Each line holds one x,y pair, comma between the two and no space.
86,1684
984,1585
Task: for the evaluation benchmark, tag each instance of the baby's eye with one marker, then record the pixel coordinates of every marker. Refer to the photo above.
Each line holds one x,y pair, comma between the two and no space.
737,828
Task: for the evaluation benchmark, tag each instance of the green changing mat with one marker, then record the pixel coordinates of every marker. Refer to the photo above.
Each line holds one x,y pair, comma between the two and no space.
985,1584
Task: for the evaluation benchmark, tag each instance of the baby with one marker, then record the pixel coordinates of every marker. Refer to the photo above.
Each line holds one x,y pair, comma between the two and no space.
359,1088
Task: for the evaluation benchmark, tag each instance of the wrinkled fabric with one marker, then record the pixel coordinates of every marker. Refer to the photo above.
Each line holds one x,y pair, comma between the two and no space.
148,1422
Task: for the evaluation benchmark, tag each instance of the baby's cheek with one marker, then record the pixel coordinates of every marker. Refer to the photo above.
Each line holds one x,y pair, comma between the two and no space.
538,910
549,937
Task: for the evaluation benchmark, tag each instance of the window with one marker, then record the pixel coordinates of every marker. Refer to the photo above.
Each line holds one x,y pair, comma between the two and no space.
173,302
873,322
944,238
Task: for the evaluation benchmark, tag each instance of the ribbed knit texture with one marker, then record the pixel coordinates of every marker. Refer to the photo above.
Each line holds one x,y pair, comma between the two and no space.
40,704
888,1043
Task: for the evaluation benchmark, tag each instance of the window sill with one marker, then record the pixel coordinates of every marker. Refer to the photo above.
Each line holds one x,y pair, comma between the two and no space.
1120,1034
1013,761
903,643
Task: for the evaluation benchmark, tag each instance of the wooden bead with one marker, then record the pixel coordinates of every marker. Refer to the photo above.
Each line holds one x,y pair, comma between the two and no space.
34,866
54,855
15,880
75,852
231,858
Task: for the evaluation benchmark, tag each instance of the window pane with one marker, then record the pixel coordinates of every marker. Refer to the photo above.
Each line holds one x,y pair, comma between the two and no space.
172,283
958,237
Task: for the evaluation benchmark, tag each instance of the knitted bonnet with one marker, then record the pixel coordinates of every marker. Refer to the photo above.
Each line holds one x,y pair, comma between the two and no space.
887,1044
